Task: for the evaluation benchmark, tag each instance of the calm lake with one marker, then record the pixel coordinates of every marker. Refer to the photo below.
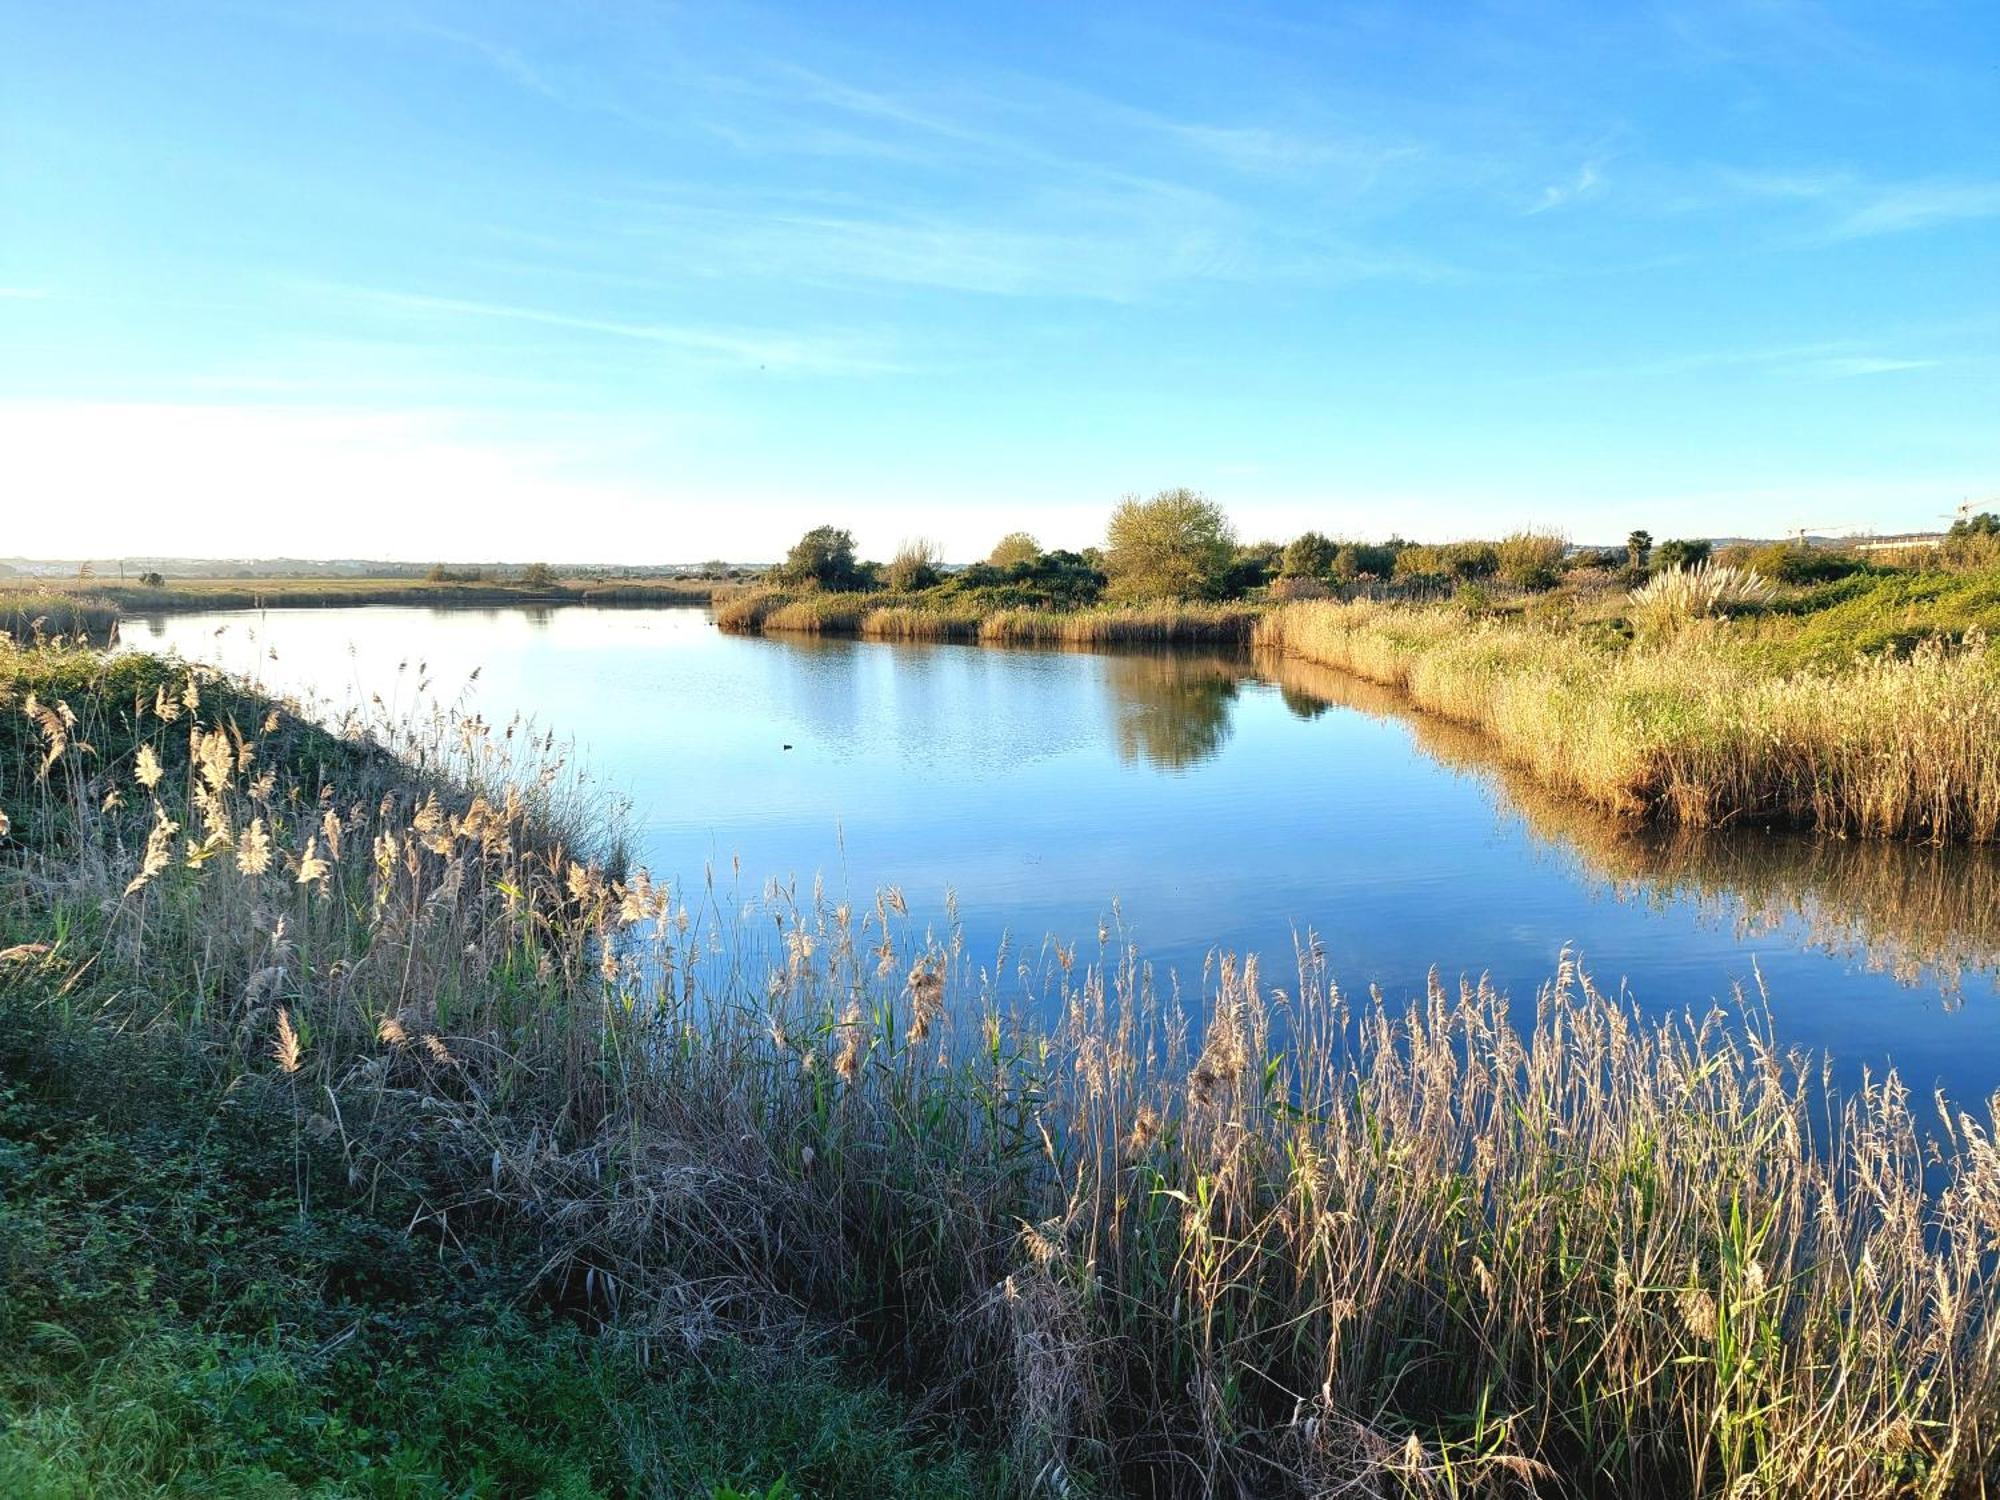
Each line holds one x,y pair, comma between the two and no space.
1195,801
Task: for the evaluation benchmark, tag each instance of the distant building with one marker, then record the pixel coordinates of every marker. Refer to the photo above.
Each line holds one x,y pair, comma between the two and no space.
1904,542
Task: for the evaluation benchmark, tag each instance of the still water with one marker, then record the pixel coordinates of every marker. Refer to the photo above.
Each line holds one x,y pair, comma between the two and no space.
1192,801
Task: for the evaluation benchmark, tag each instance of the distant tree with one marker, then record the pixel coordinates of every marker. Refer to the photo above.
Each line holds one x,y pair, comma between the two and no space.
1638,549
1352,560
1014,549
715,567
1309,555
915,565
153,580
1986,523
824,556
538,576
1177,545
1683,552
86,570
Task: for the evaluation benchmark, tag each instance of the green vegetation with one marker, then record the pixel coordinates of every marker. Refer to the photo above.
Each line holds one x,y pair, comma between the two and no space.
233,1257
93,607
1705,720
1177,545
822,558
1014,550
197,1299
421,1089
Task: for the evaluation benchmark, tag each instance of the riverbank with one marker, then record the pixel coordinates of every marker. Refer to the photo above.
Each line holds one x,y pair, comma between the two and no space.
1764,720
93,607
1003,620
1134,1251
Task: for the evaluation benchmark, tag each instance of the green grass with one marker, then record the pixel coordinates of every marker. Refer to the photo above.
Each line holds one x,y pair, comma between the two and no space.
194,1300
1874,613
97,603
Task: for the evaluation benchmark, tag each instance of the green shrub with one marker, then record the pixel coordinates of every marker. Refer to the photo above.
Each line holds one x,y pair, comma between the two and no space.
1531,560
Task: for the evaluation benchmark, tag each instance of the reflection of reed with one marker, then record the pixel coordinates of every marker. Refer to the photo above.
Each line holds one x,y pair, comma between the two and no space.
1171,709
1915,911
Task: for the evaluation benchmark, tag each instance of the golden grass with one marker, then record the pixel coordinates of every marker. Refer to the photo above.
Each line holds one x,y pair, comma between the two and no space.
1280,1244
889,617
183,595
1926,914
1898,747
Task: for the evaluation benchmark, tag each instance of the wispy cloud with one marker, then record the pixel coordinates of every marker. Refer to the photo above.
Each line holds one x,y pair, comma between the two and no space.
1920,205
1845,359
22,293
1853,366
1587,183
1857,208
789,354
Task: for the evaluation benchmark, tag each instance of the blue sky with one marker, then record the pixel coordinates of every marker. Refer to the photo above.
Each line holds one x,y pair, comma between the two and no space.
624,280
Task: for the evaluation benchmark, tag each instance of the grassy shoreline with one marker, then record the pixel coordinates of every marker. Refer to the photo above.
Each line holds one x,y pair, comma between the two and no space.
93,607
1703,730
1001,621
1276,1243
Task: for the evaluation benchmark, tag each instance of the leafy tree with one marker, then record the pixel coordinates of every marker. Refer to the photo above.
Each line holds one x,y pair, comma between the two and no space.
1986,523
538,576
1531,559
823,557
1683,552
1177,545
1309,555
1638,548
1352,560
1014,550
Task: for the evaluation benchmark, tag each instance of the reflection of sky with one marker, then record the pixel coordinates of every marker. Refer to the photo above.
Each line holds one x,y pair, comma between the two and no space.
1042,787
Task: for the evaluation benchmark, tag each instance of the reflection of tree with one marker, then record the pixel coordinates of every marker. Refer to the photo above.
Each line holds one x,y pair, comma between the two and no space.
1918,912
1304,705
1171,709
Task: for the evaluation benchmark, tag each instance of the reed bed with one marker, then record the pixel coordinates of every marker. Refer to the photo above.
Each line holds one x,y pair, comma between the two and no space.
1249,1240
1134,625
1687,729
29,615
1923,913
909,623
892,618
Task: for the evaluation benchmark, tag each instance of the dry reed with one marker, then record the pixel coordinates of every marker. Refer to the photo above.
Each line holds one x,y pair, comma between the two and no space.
1898,747
1282,1244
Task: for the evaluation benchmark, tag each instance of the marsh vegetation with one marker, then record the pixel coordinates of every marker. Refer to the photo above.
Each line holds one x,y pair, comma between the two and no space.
1252,1234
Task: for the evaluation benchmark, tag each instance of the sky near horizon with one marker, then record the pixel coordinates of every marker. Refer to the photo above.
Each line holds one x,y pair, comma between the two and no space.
609,280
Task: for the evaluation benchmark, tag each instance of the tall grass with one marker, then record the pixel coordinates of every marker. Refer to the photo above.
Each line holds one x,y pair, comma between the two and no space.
1924,913
899,617
1246,1241
28,615
1692,731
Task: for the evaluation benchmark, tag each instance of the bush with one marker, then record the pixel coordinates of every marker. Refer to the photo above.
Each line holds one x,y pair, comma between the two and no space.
915,566
1678,595
538,576
1177,545
1352,560
1458,560
1309,555
1684,552
1797,562
1014,550
822,558
1531,559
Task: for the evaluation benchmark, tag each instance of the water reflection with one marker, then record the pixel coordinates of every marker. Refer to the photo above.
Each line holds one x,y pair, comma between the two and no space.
1172,709
1926,915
